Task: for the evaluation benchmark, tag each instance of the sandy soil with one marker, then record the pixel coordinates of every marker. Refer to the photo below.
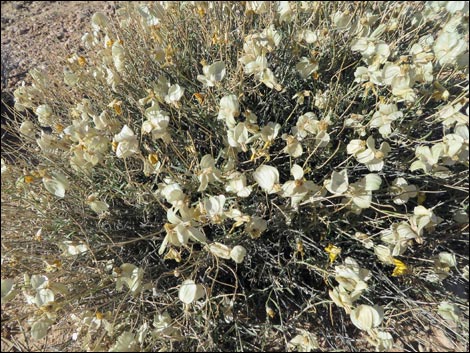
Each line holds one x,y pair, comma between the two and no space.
32,30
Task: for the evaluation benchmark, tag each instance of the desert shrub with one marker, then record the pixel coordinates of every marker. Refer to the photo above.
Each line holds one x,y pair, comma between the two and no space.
248,176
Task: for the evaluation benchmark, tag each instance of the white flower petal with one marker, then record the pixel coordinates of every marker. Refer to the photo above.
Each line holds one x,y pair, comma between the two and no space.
366,317
189,291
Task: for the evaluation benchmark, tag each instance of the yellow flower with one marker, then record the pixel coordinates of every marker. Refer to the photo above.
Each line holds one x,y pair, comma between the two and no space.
199,97
333,251
81,61
153,158
28,179
400,268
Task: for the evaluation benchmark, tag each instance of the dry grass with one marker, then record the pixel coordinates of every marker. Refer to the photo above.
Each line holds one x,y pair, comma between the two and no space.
281,286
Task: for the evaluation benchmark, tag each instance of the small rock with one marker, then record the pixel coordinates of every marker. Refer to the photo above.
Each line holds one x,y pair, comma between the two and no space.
23,31
18,5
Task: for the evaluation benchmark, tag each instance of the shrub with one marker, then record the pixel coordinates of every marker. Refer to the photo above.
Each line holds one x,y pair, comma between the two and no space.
248,176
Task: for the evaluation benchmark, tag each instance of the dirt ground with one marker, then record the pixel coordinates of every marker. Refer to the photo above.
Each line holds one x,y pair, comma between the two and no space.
32,30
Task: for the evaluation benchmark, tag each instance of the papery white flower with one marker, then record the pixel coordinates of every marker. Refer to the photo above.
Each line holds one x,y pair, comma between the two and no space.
44,290
446,259
127,143
304,342
220,250
258,7
306,66
342,298
105,122
212,74
255,226
44,113
164,326
56,184
100,207
384,254
428,159
152,165
174,94
267,77
355,122
421,51
402,87
342,20
118,56
259,68
126,342
269,132
449,311
48,143
73,248
190,292
112,79
293,147
256,66
214,208
424,73
269,38
448,46
267,178
25,97
402,191
129,275
238,136
366,317
237,184
383,341
352,277
173,194
450,114
456,146
308,36
384,117
389,72
152,15
181,228
40,327
157,123
5,167
238,253
229,110
360,192
209,173
307,124
374,51
8,291
285,11
298,188
321,99
27,129
372,157
99,21
89,40
423,218
399,236
338,184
